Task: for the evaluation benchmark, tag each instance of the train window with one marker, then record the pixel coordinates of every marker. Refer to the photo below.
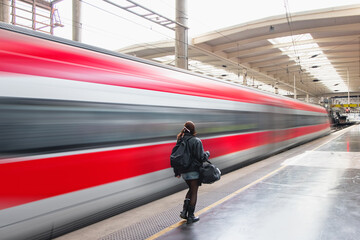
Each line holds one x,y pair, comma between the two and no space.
50,126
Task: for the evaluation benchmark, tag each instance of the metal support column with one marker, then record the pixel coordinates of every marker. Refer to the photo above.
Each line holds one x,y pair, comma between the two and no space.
34,15
5,11
348,85
77,25
307,97
13,12
294,87
245,77
181,35
52,19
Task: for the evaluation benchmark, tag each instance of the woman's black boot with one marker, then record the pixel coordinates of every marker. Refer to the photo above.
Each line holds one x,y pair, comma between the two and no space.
184,212
191,218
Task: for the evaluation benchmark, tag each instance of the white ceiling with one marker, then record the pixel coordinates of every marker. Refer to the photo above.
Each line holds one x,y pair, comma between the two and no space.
319,49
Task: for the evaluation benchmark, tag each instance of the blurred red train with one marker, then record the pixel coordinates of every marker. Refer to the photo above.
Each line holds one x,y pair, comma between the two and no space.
86,133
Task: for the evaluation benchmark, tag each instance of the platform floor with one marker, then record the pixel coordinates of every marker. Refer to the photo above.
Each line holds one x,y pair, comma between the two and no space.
308,192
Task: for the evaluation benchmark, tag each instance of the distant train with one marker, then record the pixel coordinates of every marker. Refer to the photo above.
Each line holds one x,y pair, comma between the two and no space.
86,133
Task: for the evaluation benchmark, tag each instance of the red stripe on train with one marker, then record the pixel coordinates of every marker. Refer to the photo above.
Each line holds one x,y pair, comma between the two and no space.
45,58
27,181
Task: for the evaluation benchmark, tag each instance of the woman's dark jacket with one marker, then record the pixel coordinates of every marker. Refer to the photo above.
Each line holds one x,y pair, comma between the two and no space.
197,154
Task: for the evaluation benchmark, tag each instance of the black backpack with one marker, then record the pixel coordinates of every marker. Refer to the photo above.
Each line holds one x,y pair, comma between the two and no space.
180,155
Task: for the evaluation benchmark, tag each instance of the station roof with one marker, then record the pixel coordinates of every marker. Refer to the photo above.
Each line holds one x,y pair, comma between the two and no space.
320,49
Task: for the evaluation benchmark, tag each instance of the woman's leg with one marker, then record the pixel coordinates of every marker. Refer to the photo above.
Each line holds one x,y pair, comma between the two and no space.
184,212
188,194
193,190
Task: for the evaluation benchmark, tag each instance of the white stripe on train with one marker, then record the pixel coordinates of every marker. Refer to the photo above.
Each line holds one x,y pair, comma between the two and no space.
12,85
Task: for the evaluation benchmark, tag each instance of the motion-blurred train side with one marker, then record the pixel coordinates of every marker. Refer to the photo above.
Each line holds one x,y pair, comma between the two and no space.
86,133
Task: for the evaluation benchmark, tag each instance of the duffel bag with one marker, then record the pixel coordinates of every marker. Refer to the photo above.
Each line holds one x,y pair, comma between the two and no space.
209,173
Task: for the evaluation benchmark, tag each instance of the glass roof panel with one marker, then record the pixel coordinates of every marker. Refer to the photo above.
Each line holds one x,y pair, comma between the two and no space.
314,61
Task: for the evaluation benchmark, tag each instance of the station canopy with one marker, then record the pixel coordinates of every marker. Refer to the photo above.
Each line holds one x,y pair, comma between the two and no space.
317,51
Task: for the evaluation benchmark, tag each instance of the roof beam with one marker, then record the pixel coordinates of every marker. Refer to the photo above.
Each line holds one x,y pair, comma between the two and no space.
234,44
261,57
157,55
344,60
251,71
291,67
271,62
342,53
202,58
250,51
281,19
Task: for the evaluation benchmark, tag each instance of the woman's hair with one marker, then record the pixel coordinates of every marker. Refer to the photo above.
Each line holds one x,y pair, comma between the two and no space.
189,127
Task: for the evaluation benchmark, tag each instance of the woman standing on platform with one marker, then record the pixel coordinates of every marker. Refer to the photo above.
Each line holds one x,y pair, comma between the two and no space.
191,174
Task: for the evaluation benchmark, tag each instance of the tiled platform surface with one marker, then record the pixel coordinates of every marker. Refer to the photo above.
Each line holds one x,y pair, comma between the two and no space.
315,195
308,192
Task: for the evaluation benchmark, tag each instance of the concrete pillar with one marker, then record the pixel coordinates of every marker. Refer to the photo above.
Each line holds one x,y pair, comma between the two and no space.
307,97
77,25
181,35
5,11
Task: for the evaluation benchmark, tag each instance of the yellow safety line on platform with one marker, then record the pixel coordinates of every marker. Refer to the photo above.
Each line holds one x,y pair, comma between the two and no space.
178,224
214,204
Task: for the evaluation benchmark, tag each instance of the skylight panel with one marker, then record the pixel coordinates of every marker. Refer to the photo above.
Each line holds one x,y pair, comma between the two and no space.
311,59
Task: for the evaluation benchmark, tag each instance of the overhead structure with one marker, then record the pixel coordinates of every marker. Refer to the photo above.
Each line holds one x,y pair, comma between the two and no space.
316,48
38,15
144,12
307,53
179,26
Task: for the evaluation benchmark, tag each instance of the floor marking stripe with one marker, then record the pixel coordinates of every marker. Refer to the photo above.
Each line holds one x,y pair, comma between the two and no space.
178,224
